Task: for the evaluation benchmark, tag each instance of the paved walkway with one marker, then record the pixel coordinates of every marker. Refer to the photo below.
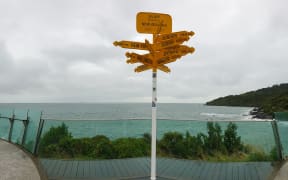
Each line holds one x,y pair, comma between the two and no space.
16,164
282,174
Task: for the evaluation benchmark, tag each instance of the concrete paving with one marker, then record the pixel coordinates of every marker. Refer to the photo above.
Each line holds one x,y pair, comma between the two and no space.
15,164
282,174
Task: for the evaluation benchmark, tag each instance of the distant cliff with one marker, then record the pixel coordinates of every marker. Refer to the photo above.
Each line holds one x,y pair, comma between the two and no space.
267,100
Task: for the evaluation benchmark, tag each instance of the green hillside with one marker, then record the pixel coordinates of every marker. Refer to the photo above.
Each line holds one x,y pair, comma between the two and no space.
269,100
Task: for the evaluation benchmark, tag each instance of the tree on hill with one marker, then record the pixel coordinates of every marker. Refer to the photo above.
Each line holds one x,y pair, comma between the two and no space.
268,100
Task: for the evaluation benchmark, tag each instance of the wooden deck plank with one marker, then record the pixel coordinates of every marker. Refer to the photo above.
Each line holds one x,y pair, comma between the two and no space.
186,172
68,168
48,165
211,172
262,170
222,169
80,169
161,165
217,171
193,170
247,172
234,173
165,164
129,168
62,168
195,167
121,169
86,172
74,170
184,168
116,169
144,164
103,172
95,169
51,167
113,169
204,171
171,169
242,171
138,170
228,171
251,171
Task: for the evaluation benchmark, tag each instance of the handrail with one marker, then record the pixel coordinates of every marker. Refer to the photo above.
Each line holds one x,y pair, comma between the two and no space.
38,130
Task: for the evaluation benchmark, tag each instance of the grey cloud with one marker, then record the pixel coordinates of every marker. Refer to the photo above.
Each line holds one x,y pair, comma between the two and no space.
81,53
5,58
240,45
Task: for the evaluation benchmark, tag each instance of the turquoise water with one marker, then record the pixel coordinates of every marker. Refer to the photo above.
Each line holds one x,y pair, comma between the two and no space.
133,120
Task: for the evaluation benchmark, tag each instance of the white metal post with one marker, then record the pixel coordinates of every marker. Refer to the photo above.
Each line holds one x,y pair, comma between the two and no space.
154,125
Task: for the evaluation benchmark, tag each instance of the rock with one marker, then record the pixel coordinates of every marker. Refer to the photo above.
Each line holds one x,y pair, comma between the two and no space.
257,113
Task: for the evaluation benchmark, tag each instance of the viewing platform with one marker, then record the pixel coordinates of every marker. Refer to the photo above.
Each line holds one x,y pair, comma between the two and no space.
17,164
22,134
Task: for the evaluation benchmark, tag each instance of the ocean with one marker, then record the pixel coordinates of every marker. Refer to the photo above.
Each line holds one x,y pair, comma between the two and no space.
116,120
122,111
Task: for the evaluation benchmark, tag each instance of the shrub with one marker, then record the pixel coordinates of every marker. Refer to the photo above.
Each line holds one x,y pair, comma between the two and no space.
172,144
53,137
232,142
130,147
214,141
102,148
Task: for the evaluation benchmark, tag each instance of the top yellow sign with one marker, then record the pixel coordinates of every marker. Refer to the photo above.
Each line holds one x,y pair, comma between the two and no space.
153,23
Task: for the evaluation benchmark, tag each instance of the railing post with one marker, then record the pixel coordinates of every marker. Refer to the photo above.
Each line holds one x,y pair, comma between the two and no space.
25,123
38,136
12,119
277,139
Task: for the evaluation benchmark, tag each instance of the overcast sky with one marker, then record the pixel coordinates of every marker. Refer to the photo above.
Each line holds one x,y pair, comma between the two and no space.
62,50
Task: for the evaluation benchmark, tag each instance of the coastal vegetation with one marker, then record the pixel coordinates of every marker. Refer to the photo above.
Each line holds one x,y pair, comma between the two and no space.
267,100
215,145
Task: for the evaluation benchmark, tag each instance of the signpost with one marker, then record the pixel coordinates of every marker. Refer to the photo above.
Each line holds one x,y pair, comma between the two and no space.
165,48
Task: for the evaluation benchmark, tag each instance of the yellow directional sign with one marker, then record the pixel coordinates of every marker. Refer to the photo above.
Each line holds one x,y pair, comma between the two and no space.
166,45
131,45
144,67
137,58
180,34
180,50
169,43
153,23
164,68
168,59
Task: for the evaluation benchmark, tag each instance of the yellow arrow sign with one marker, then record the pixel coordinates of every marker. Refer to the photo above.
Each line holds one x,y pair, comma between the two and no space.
169,43
164,68
131,45
142,68
182,50
176,50
180,34
137,58
168,59
146,67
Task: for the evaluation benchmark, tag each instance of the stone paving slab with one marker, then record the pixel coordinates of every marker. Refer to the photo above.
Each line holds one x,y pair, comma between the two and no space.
282,174
16,164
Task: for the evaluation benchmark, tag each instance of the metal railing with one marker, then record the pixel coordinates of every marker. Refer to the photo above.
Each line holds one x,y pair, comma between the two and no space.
26,128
